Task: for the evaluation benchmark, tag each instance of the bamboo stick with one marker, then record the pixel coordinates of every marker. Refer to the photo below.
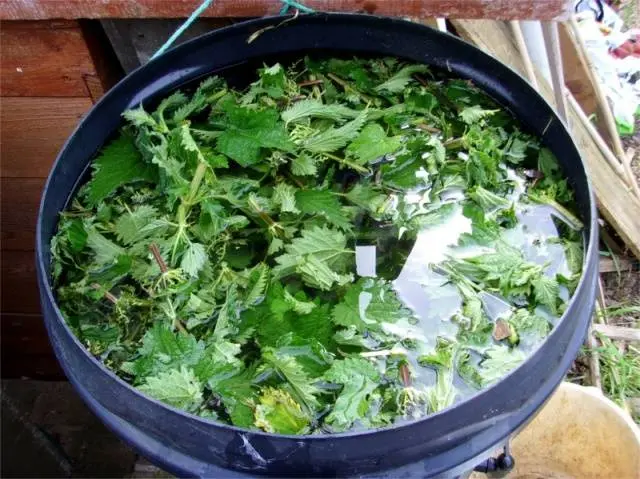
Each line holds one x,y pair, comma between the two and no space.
626,164
600,143
524,52
594,360
552,43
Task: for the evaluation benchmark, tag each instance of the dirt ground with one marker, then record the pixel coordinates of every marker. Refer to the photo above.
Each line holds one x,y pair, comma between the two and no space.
624,287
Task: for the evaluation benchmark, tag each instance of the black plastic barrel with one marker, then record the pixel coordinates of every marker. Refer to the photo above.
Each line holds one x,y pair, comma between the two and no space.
450,441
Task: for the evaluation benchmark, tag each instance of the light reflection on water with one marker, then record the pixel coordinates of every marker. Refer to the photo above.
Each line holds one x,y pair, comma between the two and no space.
434,300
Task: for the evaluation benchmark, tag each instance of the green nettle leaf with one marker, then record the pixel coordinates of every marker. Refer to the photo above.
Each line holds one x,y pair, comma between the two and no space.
284,196
574,253
176,387
368,304
547,292
516,150
488,200
442,355
76,234
130,226
473,114
194,259
257,285
373,143
189,144
467,370
401,79
304,165
524,321
443,394
317,273
420,100
316,109
323,203
247,131
118,164
210,260
140,118
299,306
163,349
200,99
333,139
228,314
547,163
279,413
293,373
104,250
367,197
170,103
324,244
499,360
359,379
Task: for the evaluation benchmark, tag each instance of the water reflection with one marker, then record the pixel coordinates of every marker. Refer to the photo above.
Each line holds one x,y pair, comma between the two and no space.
433,299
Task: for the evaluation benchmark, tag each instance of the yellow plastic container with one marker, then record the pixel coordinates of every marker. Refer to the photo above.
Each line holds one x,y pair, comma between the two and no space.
578,434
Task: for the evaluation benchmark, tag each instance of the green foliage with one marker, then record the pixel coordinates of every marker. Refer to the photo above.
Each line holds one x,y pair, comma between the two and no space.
368,305
118,164
372,143
332,138
278,412
311,108
399,81
177,387
213,258
359,379
246,132
443,394
506,271
475,113
498,361
323,203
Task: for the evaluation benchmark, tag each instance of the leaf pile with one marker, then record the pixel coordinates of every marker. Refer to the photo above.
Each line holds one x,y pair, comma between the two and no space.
212,260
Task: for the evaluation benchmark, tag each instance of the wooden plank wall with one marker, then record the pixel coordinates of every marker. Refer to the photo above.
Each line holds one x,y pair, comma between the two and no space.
495,9
48,82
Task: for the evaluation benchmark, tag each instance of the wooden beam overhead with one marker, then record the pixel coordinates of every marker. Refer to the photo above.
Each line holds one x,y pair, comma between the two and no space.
494,9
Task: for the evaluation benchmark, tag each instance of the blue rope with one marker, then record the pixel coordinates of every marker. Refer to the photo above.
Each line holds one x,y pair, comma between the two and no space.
206,4
187,23
294,4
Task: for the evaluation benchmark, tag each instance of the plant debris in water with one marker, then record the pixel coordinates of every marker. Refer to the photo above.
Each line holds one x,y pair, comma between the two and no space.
344,244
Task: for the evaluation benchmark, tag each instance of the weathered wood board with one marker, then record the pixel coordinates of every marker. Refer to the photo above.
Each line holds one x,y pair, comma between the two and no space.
44,59
33,131
19,292
496,9
49,80
19,202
